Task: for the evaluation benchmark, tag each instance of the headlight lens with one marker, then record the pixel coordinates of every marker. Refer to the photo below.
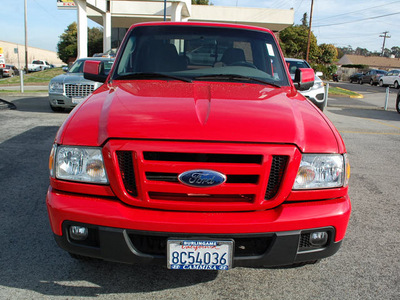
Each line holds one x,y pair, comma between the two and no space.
56,87
78,164
317,85
319,171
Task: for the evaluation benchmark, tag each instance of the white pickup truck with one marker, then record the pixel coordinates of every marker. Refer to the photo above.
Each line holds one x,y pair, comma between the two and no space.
38,65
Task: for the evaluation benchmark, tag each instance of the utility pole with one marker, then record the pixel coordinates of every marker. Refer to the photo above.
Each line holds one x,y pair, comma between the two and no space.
26,37
309,31
385,36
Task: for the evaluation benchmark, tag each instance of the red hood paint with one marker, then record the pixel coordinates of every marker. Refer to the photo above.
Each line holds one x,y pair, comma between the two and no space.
200,111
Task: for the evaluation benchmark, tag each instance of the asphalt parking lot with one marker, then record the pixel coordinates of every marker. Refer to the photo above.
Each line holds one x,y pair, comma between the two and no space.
366,267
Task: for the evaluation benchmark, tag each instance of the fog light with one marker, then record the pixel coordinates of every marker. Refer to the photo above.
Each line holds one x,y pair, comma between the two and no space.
319,238
78,233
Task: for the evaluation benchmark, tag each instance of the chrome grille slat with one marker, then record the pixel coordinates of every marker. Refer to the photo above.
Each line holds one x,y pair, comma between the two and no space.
78,90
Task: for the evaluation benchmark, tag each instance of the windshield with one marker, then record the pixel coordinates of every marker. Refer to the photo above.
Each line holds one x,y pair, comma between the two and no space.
202,53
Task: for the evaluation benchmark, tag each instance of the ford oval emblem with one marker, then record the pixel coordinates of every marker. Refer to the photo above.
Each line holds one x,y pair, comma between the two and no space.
202,178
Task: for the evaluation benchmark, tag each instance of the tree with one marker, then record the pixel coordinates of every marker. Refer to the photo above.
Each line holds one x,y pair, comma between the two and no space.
95,41
293,41
362,51
395,51
328,53
304,20
67,46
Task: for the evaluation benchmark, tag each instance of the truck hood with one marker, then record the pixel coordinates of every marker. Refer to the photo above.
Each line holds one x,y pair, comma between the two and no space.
223,112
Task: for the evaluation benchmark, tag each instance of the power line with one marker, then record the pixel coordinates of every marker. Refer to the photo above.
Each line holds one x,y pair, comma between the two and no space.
370,18
360,10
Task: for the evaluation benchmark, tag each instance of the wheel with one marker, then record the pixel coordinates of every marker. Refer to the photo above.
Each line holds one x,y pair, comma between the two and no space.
243,64
398,104
371,82
360,81
381,83
396,85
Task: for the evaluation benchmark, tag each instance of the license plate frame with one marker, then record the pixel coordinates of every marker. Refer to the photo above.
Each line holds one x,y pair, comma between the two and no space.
76,100
190,254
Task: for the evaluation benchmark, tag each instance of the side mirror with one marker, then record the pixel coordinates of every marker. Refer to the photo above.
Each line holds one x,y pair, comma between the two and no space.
304,79
319,74
94,70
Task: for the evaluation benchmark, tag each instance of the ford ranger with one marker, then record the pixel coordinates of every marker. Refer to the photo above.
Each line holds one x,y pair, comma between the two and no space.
212,165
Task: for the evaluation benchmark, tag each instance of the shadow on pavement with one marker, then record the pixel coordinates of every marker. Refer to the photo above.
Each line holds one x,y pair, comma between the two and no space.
376,114
30,260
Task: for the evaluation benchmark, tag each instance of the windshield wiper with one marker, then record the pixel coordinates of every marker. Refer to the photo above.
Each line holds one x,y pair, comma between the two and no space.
144,75
236,77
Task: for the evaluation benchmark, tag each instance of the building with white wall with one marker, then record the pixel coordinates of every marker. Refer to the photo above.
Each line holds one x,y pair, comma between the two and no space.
14,54
117,16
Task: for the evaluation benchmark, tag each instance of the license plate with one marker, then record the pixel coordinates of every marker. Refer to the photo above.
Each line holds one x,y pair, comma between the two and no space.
77,100
199,254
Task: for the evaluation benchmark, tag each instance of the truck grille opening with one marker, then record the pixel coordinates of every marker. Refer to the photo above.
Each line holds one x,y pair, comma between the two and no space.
276,175
173,177
204,157
125,162
78,90
244,246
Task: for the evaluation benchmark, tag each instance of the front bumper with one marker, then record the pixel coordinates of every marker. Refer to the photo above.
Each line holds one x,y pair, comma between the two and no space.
272,237
61,101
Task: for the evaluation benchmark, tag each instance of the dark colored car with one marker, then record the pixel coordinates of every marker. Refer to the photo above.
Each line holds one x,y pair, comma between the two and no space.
372,76
356,77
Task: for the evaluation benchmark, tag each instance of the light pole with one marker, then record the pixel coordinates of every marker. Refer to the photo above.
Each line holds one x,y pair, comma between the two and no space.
309,31
26,37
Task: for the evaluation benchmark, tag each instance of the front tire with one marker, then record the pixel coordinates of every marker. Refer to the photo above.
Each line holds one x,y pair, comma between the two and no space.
396,85
398,104
371,82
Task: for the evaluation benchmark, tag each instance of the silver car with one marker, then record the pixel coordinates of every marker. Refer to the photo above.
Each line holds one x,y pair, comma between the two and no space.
69,89
317,92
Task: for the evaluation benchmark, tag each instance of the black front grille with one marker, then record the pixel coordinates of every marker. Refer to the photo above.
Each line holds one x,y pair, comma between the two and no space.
125,162
244,246
276,175
204,157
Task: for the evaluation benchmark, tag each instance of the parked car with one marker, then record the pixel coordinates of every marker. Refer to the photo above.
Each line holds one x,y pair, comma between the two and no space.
372,76
398,102
10,71
69,89
38,65
109,53
392,78
317,92
199,168
356,77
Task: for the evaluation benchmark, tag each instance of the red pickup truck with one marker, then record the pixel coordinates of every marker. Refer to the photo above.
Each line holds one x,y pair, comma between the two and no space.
207,162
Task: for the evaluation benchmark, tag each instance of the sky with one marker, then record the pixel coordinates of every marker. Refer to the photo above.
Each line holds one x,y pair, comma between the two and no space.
355,23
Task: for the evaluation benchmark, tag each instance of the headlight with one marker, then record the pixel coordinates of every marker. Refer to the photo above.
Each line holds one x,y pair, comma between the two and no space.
319,171
56,87
317,85
84,164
